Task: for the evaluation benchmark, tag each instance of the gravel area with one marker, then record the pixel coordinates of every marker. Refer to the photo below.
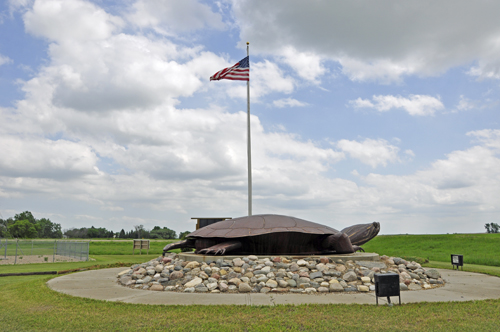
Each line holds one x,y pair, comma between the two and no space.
31,259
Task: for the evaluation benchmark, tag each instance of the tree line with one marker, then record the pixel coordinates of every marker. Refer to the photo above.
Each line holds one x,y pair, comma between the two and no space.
139,232
25,225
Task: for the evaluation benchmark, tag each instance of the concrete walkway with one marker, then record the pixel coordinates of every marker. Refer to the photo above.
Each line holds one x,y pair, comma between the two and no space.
102,285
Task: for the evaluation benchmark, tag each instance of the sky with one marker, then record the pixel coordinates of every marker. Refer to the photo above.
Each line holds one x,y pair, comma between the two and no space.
361,111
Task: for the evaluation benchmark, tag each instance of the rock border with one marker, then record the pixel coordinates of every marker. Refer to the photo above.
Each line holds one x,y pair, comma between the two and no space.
274,275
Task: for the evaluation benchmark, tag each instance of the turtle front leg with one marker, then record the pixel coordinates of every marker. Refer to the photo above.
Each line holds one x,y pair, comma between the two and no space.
189,243
340,243
358,248
221,248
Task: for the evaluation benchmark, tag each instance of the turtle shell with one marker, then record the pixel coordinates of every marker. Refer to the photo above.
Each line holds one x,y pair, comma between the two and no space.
259,225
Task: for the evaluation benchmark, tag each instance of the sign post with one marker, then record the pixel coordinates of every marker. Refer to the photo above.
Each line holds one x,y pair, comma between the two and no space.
141,244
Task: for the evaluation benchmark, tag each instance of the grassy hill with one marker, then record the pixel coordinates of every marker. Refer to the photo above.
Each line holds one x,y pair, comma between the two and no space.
481,249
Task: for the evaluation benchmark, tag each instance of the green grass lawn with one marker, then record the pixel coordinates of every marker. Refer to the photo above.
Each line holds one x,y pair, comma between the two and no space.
104,247
481,249
486,269
96,247
27,304
26,247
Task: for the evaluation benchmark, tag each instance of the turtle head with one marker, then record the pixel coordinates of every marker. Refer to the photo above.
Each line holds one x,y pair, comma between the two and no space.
360,234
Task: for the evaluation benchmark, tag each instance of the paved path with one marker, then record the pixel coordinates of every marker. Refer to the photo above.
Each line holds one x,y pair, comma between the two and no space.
102,285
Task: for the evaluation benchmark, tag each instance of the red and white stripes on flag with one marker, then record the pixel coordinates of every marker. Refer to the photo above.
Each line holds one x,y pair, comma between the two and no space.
238,72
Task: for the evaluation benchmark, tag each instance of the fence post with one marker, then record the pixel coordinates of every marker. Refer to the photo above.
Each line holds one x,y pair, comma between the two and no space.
31,247
54,252
15,259
6,243
88,249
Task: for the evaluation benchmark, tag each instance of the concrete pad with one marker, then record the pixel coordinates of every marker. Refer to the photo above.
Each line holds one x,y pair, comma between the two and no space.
357,256
460,286
102,285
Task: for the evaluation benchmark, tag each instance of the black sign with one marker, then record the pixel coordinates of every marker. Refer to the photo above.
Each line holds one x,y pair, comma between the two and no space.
457,260
387,285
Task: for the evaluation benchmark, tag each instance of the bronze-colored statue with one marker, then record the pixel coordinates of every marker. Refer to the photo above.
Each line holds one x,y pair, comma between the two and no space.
270,234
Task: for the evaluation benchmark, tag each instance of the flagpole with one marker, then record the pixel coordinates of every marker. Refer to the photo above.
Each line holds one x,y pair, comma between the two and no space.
249,145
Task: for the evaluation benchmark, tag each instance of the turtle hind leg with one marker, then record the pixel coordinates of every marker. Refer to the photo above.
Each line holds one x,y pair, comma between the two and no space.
189,243
221,248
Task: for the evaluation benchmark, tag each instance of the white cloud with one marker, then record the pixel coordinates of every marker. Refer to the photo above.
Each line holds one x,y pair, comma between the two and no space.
45,158
86,216
464,178
182,160
174,16
415,105
62,20
488,137
265,77
465,104
118,72
380,40
17,5
410,153
112,208
371,152
384,71
307,64
288,102
361,103
4,60
488,65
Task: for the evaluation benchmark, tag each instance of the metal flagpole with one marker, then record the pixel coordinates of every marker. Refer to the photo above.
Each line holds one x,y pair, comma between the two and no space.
249,145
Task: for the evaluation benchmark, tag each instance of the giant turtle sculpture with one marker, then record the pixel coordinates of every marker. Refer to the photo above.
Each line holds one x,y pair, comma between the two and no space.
275,235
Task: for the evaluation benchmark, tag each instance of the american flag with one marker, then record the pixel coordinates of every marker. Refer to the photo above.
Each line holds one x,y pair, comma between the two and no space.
239,72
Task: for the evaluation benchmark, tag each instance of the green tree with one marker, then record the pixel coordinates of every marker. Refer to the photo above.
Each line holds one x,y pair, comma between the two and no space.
492,228
26,215
139,230
24,229
162,233
4,232
122,234
100,232
48,229
76,233
45,228
182,235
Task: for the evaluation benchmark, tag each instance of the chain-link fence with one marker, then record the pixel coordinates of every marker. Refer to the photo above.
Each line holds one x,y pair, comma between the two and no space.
15,251
78,250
